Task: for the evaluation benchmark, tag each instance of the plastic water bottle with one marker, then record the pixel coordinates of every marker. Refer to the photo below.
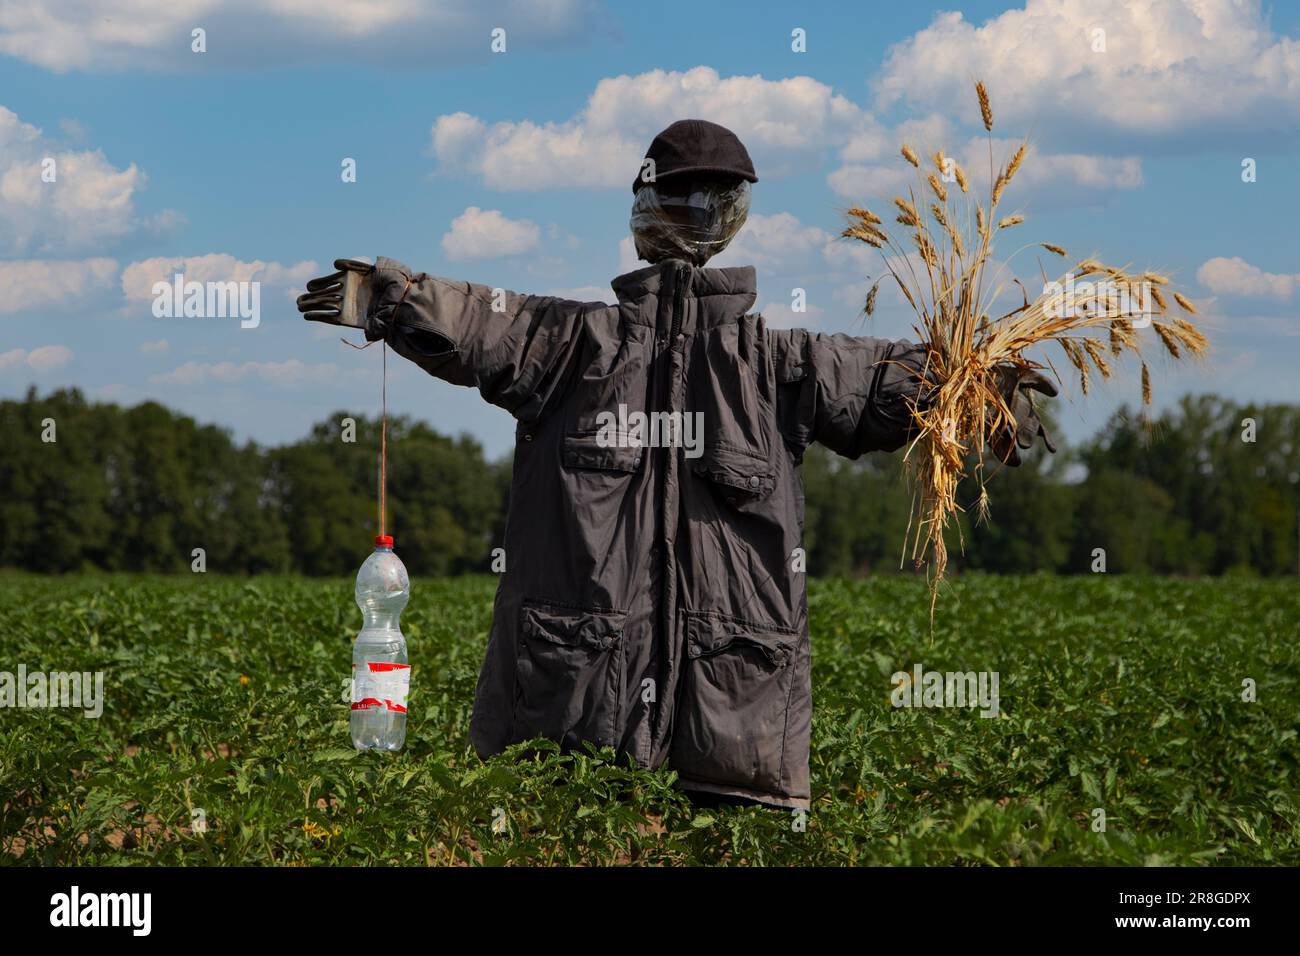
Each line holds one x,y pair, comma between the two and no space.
381,675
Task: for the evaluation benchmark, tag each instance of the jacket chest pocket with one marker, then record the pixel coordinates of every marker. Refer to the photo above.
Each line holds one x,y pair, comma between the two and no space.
731,721
567,672
729,384
612,387
740,477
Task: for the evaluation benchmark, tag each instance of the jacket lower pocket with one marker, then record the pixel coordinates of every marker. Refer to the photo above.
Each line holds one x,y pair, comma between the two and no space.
591,451
730,726
567,673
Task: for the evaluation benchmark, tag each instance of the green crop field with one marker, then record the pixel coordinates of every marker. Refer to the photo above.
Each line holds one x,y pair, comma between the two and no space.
223,705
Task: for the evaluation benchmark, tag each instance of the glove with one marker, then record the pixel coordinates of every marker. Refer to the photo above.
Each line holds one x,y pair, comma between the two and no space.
358,295
1016,385
340,298
905,378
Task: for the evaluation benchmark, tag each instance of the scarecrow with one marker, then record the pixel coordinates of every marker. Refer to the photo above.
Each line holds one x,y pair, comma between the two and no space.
653,600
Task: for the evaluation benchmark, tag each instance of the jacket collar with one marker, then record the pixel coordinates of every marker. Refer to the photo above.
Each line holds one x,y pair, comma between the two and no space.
737,283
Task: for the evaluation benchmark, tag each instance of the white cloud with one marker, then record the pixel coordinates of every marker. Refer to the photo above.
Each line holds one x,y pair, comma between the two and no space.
153,348
787,125
781,122
487,234
27,284
869,183
43,359
49,357
1169,66
777,241
585,293
288,373
89,203
628,261
880,181
1042,170
139,277
780,315
64,35
1236,276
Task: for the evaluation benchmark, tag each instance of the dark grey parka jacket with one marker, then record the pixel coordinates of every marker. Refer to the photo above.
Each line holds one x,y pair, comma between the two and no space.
654,602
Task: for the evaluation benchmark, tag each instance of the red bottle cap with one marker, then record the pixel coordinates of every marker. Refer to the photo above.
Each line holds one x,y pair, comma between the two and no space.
383,541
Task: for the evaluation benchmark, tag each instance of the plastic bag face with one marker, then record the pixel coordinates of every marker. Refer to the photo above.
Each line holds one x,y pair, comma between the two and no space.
687,219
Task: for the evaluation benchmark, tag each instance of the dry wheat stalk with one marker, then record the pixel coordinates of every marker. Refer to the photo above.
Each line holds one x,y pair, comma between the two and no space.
1089,311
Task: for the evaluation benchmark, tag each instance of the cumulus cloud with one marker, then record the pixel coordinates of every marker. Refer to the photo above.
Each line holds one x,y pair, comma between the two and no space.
139,277
776,241
286,374
1168,67
63,35
628,260
780,315
891,175
1236,276
43,359
787,125
89,203
155,347
27,284
781,122
487,234
584,293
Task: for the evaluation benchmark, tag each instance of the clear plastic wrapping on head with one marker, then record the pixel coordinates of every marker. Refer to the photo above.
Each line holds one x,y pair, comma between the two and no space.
692,220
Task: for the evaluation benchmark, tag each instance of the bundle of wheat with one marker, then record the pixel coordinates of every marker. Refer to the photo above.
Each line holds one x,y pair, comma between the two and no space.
940,267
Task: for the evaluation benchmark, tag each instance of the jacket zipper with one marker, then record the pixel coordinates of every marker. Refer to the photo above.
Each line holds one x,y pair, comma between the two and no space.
679,300
667,613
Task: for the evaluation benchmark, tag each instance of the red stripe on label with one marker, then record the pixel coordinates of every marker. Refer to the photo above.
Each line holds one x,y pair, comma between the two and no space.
374,702
376,666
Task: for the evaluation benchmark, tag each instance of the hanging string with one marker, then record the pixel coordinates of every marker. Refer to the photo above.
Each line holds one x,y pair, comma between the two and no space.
383,421
383,434
383,450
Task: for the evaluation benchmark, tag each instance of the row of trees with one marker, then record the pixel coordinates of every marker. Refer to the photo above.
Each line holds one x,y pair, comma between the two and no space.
1208,488
96,485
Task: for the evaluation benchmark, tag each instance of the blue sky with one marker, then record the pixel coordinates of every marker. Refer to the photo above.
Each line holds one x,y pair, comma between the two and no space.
513,169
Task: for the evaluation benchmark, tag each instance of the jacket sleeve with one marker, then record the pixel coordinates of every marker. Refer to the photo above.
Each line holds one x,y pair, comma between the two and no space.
851,393
512,347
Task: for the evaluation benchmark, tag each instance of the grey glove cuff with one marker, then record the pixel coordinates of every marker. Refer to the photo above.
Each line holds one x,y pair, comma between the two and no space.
903,380
391,281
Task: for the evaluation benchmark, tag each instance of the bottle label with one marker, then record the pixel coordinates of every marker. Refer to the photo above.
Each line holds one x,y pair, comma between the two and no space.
381,686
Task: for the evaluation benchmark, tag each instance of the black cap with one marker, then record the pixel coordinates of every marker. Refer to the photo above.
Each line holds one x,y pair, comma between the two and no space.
697,146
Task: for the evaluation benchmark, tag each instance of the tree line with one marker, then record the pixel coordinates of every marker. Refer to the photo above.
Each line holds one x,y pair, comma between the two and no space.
1207,487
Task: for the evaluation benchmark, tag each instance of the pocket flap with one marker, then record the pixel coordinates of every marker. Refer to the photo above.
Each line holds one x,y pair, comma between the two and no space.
709,633
572,627
582,450
737,468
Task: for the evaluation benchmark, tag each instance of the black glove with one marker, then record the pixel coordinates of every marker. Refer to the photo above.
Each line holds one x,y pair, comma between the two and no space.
1016,385
358,295
340,298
